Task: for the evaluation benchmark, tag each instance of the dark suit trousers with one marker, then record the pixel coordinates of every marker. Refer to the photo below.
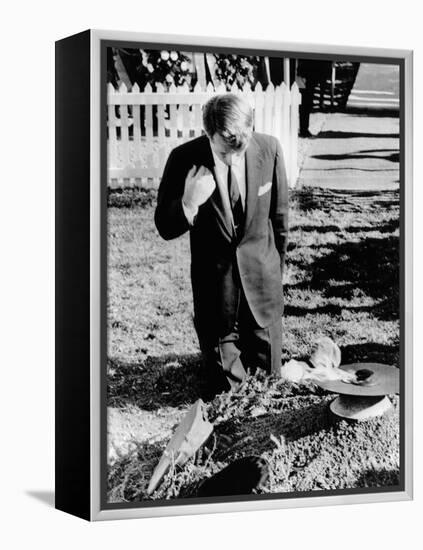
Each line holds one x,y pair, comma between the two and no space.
246,347
307,103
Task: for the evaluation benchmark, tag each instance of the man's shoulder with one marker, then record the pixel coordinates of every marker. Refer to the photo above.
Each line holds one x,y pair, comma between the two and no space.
191,146
267,143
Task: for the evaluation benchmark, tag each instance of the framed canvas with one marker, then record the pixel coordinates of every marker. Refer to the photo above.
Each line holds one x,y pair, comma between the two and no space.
233,275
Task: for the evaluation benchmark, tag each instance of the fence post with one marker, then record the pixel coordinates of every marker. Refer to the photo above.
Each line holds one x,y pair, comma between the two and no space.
293,145
259,105
211,65
200,68
112,150
285,141
161,132
286,76
332,85
277,118
148,90
136,117
198,114
234,88
220,89
124,129
269,100
173,116
121,70
248,94
183,115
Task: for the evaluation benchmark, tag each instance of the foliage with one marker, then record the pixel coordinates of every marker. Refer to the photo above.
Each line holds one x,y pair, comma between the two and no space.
173,67
166,67
154,66
237,69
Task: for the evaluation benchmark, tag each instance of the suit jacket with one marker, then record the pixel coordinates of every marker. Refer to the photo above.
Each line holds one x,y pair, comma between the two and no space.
219,260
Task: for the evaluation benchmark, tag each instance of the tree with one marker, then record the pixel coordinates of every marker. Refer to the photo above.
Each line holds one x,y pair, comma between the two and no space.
153,66
237,69
169,67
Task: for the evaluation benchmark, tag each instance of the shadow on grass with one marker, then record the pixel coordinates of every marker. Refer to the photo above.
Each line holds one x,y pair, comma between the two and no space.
372,112
371,353
312,228
335,134
328,309
362,151
392,157
388,227
333,200
170,380
379,478
372,266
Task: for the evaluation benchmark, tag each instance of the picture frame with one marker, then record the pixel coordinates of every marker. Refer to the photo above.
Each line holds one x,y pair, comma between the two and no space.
82,173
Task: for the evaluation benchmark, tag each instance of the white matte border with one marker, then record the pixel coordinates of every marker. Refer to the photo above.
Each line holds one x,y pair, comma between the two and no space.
95,271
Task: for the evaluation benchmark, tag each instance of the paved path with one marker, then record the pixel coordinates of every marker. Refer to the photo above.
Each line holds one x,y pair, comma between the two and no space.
354,152
376,87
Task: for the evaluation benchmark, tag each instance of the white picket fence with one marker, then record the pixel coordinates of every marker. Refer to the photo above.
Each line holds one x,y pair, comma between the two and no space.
143,127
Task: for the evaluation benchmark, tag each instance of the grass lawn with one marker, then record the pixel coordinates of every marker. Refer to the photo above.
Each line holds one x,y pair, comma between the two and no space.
341,280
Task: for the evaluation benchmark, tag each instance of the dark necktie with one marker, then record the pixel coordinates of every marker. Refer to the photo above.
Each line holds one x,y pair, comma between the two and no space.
235,200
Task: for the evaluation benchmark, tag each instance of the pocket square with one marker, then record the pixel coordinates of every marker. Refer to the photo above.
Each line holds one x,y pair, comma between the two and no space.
264,188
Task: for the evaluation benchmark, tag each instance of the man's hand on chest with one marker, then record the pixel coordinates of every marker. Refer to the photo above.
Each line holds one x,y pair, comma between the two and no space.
199,186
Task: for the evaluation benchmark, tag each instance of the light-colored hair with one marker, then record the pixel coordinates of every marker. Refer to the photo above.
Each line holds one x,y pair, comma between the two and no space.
230,116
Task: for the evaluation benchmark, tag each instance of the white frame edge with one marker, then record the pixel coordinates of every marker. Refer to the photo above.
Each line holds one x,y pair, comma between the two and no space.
95,240
408,279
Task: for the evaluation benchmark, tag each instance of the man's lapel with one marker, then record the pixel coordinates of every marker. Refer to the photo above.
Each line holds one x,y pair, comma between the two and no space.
253,179
224,217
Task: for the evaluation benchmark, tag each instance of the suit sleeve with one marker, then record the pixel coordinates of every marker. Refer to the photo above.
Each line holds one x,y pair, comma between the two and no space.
170,219
280,205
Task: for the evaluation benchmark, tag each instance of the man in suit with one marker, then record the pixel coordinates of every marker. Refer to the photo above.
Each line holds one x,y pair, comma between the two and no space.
314,72
229,189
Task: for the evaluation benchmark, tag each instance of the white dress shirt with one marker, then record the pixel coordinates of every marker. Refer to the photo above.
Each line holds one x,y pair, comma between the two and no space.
221,172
